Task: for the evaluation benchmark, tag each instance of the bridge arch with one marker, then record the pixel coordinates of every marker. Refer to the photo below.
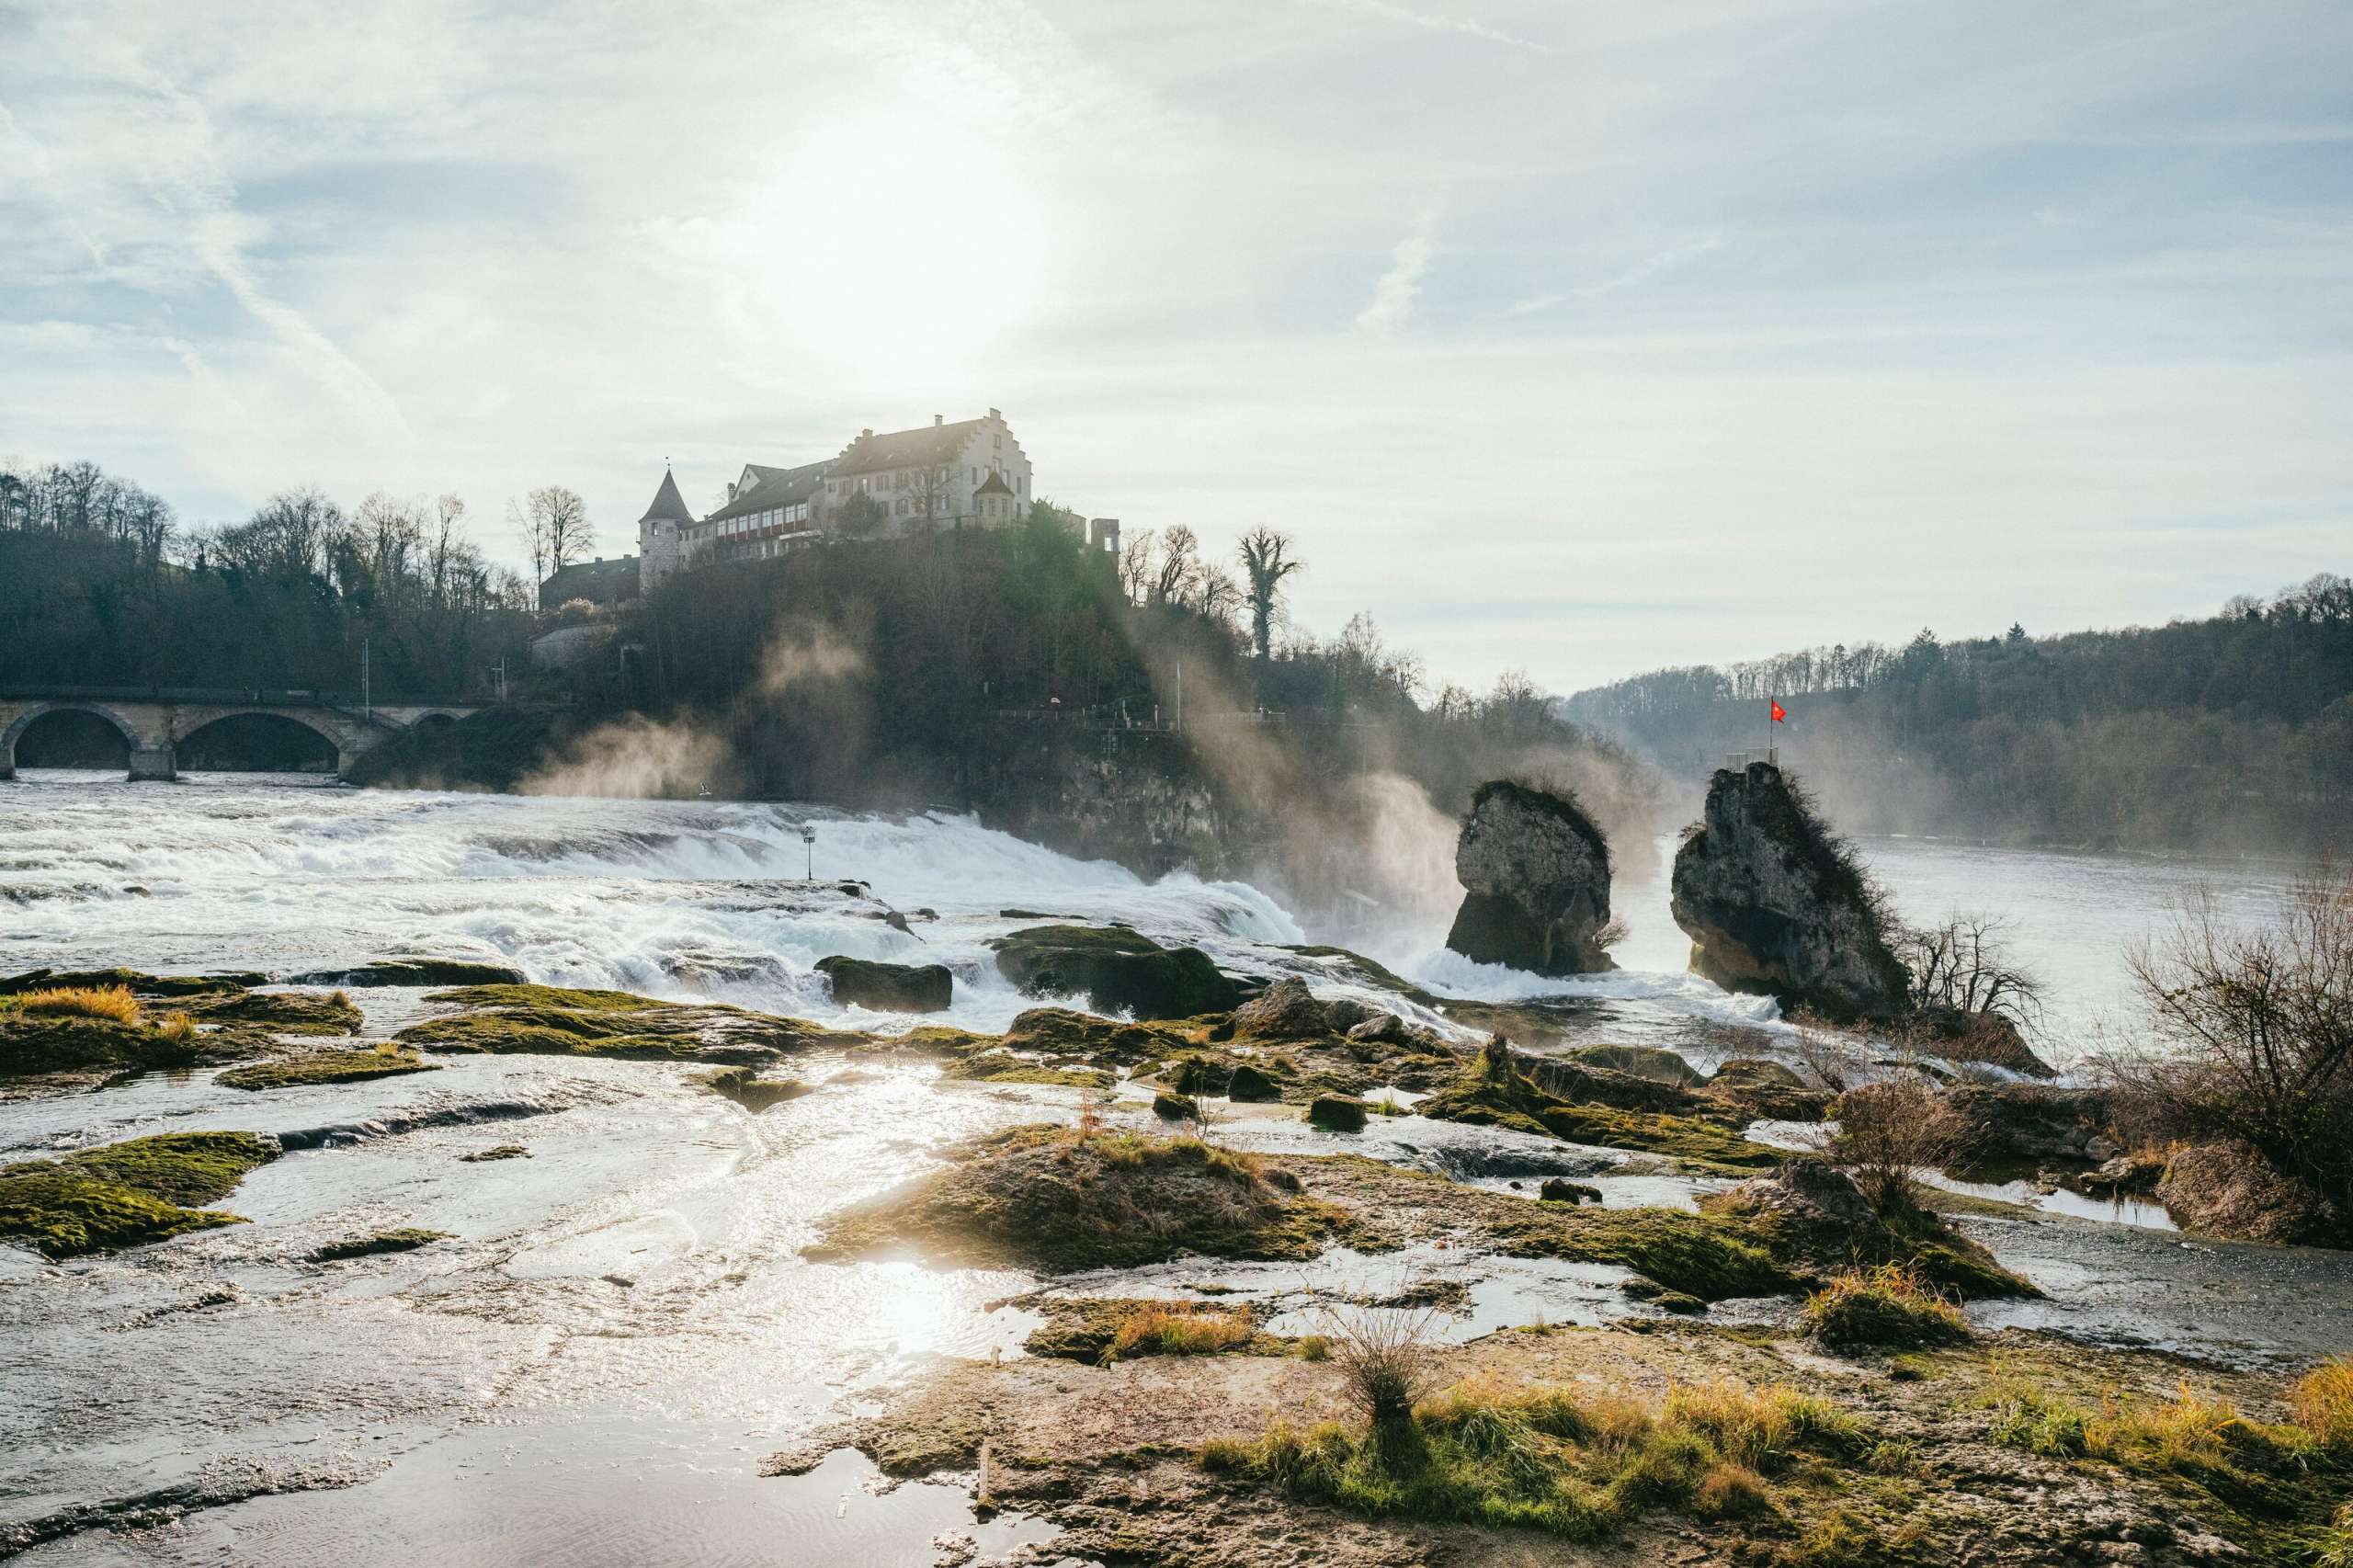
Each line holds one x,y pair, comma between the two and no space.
251,724
35,712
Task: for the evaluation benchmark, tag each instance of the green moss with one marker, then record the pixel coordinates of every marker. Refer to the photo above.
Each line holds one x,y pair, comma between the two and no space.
324,1067
32,1044
497,1151
1040,1197
1176,1107
1655,1062
1698,1255
1004,1067
281,1012
548,1020
126,1193
406,1238
139,983
1100,1329
1517,1103
1885,1307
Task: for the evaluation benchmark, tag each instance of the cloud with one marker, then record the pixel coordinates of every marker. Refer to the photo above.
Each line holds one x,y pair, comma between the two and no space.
1393,296
1434,22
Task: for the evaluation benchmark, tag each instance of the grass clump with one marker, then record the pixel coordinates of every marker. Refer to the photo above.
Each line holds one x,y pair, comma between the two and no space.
114,1004
326,1067
148,1189
282,1012
406,1238
1886,1306
2323,1403
1542,1458
1105,1330
1048,1198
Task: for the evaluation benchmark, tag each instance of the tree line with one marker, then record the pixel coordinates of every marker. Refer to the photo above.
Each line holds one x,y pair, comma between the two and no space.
2232,733
102,584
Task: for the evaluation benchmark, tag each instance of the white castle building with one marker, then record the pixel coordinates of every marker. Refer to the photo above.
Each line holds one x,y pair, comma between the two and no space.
972,473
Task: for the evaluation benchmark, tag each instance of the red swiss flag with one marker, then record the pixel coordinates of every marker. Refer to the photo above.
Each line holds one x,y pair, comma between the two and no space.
1779,713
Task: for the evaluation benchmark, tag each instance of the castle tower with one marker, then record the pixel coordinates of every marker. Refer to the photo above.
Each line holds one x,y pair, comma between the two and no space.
657,533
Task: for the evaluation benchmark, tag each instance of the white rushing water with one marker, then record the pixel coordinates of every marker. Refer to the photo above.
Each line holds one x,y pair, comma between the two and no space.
706,898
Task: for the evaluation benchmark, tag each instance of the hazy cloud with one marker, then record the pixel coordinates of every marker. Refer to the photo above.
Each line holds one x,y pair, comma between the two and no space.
1392,297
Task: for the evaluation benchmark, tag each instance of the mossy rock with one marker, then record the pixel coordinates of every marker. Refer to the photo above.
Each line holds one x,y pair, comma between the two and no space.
324,1067
1059,1031
1653,1062
137,983
1005,1067
280,1012
889,987
57,1042
1699,1256
417,971
548,1020
1117,969
1043,1197
126,1193
406,1238
1336,1113
1176,1107
1496,1093
496,1152
1248,1084
747,1088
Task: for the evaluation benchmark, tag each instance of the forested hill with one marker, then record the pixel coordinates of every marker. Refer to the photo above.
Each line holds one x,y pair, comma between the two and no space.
2229,735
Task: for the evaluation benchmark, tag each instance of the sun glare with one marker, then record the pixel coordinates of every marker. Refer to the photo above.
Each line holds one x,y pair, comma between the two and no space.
902,244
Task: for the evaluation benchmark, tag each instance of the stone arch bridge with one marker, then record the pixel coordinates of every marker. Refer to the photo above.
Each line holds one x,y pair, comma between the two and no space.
154,720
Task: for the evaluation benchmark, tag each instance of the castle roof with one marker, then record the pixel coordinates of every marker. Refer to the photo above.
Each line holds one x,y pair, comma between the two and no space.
668,505
927,446
993,484
773,487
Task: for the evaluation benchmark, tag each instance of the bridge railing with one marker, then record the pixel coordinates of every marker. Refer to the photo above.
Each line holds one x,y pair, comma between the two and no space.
268,697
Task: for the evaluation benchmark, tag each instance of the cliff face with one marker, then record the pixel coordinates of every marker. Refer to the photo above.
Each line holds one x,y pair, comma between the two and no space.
1772,907
1535,873
1143,804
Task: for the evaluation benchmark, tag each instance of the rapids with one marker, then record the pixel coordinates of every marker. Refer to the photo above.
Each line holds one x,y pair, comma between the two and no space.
622,1328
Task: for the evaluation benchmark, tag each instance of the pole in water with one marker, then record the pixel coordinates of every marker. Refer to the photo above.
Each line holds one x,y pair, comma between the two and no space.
809,848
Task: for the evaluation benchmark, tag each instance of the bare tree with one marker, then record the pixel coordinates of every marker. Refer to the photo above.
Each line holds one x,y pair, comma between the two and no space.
2260,1023
1266,561
1135,564
1964,966
1891,1130
1175,580
554,524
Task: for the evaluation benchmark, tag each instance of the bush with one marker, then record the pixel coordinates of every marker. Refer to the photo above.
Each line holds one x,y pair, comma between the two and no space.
1884,1306
114,1004
1889,1129
2260,1023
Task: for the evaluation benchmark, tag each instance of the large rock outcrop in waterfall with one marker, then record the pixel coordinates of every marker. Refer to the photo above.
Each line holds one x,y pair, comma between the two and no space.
1535,874
1773,903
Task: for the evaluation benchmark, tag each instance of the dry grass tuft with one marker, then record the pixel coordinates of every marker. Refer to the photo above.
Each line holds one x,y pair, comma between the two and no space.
1179,1328
2323,1400
113,1003
1888,1305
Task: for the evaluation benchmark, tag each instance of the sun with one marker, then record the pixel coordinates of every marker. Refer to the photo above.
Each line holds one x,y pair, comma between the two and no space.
900,241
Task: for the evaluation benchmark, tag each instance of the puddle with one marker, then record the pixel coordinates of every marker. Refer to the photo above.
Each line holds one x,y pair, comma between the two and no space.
2135,1211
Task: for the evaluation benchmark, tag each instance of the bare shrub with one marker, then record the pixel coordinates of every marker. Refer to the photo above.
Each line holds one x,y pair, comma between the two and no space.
1889,1131
1964,966
1383,1354
1829,1057
2259,1026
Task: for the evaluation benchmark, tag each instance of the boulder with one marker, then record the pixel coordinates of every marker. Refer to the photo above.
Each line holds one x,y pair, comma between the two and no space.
1343,1013
413,971
2229,1189
1814,1204
889,987
1285,1010
1250,1085
1766,1089
1535,874
2010,1128
1388,1029
1958,1035
1775,905
1117,969
1654,1062
1337,1113
1556,1190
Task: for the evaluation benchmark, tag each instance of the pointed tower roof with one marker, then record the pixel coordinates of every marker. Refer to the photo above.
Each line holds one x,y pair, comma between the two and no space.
668,505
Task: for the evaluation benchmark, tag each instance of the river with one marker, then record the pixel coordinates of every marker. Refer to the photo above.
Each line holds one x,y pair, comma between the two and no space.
621,1326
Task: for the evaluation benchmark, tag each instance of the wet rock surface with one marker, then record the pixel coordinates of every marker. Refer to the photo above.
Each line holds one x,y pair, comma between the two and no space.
889,987
1774,904
1117,969
1535,873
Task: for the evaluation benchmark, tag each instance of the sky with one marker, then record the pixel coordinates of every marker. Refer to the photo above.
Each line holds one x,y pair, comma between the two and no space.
1575,339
